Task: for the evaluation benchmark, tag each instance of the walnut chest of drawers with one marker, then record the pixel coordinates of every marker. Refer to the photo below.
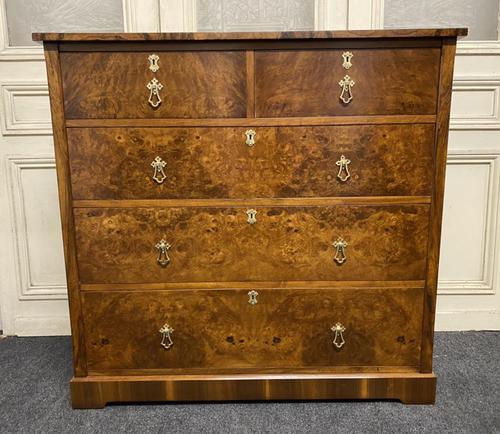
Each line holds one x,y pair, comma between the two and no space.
251,216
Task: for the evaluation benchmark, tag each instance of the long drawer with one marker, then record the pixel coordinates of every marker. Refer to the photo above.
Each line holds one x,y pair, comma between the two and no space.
200,244
154,163
270,328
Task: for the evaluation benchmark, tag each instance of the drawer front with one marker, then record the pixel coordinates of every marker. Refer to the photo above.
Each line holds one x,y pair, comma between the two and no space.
286,328
119,163
222,244
207,84
386,82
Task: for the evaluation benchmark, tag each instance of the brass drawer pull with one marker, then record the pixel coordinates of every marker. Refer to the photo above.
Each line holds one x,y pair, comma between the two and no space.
340,245
343,174
163,247
166,340
338,339
154,87
153,62
346,84
252,297
159,175
250,141
252,216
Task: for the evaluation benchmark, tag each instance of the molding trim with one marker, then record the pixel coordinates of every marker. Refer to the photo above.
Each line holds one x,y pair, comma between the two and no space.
468,48
177,15
27,290
377,7
331,14
43,326
12,126
141,15
486,285
8,52
462,320
484,84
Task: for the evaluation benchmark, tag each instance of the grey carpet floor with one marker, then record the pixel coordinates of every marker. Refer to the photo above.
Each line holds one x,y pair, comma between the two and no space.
34,375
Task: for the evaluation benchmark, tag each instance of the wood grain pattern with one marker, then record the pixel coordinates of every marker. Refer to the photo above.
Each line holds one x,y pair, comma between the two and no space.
290,201
254,122
110,163
66,210
385,243
287,328
442,131
195,85
216,36
305,284
387,81
95,392
286,87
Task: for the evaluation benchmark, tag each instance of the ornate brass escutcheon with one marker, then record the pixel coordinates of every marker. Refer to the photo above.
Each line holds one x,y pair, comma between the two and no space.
158,164
163,248
347,56
338,339
343,174
252,216
340,245
153,62
154,87
250,141
252,297
166,340
346,84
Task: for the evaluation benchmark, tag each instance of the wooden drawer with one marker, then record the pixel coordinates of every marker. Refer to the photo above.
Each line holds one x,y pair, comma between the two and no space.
116,163
220,329
285,244
387,82
204,84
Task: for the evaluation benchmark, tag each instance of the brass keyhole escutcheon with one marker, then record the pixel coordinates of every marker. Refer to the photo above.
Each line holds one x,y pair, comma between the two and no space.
163,247
347,56
154,87
158,165
250,134
252,216
166,340
343,174
340,245
338,339
252,297
346,84
154,59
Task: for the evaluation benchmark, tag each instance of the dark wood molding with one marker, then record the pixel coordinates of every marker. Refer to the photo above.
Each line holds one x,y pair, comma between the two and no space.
215,36
96,392
65,201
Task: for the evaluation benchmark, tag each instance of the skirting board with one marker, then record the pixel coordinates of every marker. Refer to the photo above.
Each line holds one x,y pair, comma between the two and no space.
97,391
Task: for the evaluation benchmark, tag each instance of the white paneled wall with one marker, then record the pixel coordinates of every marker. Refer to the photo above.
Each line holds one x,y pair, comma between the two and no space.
32,291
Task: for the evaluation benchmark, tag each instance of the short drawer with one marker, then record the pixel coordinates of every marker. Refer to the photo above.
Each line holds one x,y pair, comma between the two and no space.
320,161
201,84
379,82
254,243
270,328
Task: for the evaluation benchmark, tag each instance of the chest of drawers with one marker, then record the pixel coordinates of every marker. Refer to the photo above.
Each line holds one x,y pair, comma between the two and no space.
251,216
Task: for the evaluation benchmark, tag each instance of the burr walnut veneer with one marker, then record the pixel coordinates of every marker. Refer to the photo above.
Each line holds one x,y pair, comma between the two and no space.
251,216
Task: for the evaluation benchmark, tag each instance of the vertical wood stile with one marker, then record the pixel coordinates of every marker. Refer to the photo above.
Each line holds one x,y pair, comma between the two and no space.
65,203
250,83
442,129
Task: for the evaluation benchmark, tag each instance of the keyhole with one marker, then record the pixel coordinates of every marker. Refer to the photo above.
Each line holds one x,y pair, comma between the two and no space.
250,141
252,216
